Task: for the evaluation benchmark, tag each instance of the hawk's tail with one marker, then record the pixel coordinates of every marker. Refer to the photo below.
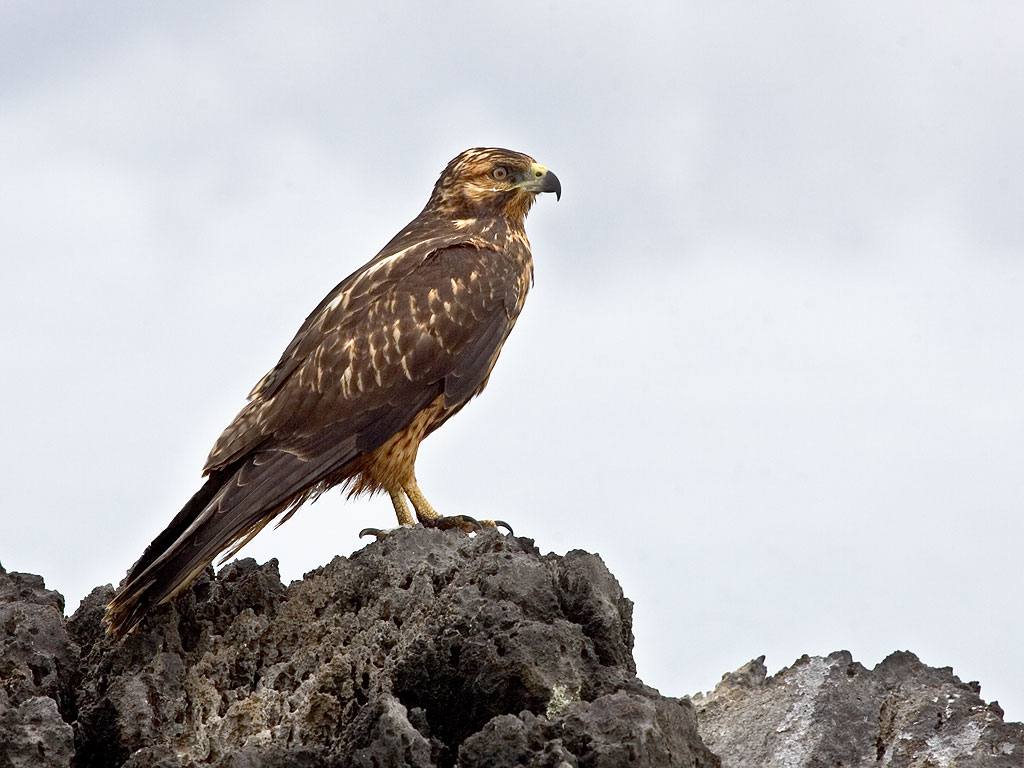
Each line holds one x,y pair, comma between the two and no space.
170,562
234,505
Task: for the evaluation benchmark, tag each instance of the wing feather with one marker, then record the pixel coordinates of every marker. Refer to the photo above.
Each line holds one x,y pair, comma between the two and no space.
436,321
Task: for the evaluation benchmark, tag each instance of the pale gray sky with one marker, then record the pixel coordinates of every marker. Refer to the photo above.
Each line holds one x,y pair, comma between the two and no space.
773,366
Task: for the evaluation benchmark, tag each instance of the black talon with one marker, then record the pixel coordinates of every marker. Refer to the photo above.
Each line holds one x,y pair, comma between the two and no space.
376,532
465,523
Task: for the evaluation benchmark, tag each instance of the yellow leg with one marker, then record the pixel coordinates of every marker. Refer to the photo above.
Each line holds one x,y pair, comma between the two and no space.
419,501
432,519
427,515
401,508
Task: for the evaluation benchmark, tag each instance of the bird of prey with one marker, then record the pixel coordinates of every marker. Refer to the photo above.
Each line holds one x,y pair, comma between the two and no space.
394,351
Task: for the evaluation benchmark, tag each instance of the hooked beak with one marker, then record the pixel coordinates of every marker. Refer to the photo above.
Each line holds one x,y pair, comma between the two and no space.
540,179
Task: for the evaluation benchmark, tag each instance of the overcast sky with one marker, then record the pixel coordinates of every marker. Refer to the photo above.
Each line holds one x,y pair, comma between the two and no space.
772,369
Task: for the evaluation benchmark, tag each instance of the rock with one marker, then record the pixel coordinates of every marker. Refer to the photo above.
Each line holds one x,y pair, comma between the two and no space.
425,649
37,670
626,729
431,649
832,711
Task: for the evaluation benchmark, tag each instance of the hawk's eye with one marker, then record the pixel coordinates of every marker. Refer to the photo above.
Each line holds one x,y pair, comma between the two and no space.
500,173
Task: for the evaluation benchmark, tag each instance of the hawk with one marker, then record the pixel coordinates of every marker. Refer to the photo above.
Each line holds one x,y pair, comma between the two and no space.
394,351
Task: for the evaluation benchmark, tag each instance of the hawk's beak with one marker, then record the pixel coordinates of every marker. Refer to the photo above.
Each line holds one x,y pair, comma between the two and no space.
540,179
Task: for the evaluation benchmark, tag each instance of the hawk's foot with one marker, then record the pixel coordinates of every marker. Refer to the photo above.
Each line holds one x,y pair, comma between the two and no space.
465,523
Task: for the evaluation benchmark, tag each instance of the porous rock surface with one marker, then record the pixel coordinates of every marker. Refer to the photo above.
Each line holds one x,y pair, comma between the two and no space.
428,648
433,649
834,712
37,665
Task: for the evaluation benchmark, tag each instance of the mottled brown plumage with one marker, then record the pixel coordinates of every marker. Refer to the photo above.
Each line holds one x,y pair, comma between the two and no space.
388,356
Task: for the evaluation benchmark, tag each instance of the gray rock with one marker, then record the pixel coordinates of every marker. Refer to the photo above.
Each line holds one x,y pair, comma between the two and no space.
509,741
628,729
833,712
34,734
433,650
420,650
37,669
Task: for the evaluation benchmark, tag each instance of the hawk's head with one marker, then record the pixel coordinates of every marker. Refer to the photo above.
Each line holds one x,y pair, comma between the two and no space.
491,182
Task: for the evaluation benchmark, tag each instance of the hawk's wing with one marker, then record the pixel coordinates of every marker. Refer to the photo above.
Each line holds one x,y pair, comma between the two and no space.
377,350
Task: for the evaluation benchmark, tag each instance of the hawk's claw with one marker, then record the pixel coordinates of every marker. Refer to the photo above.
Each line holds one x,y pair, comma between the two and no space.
465,523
